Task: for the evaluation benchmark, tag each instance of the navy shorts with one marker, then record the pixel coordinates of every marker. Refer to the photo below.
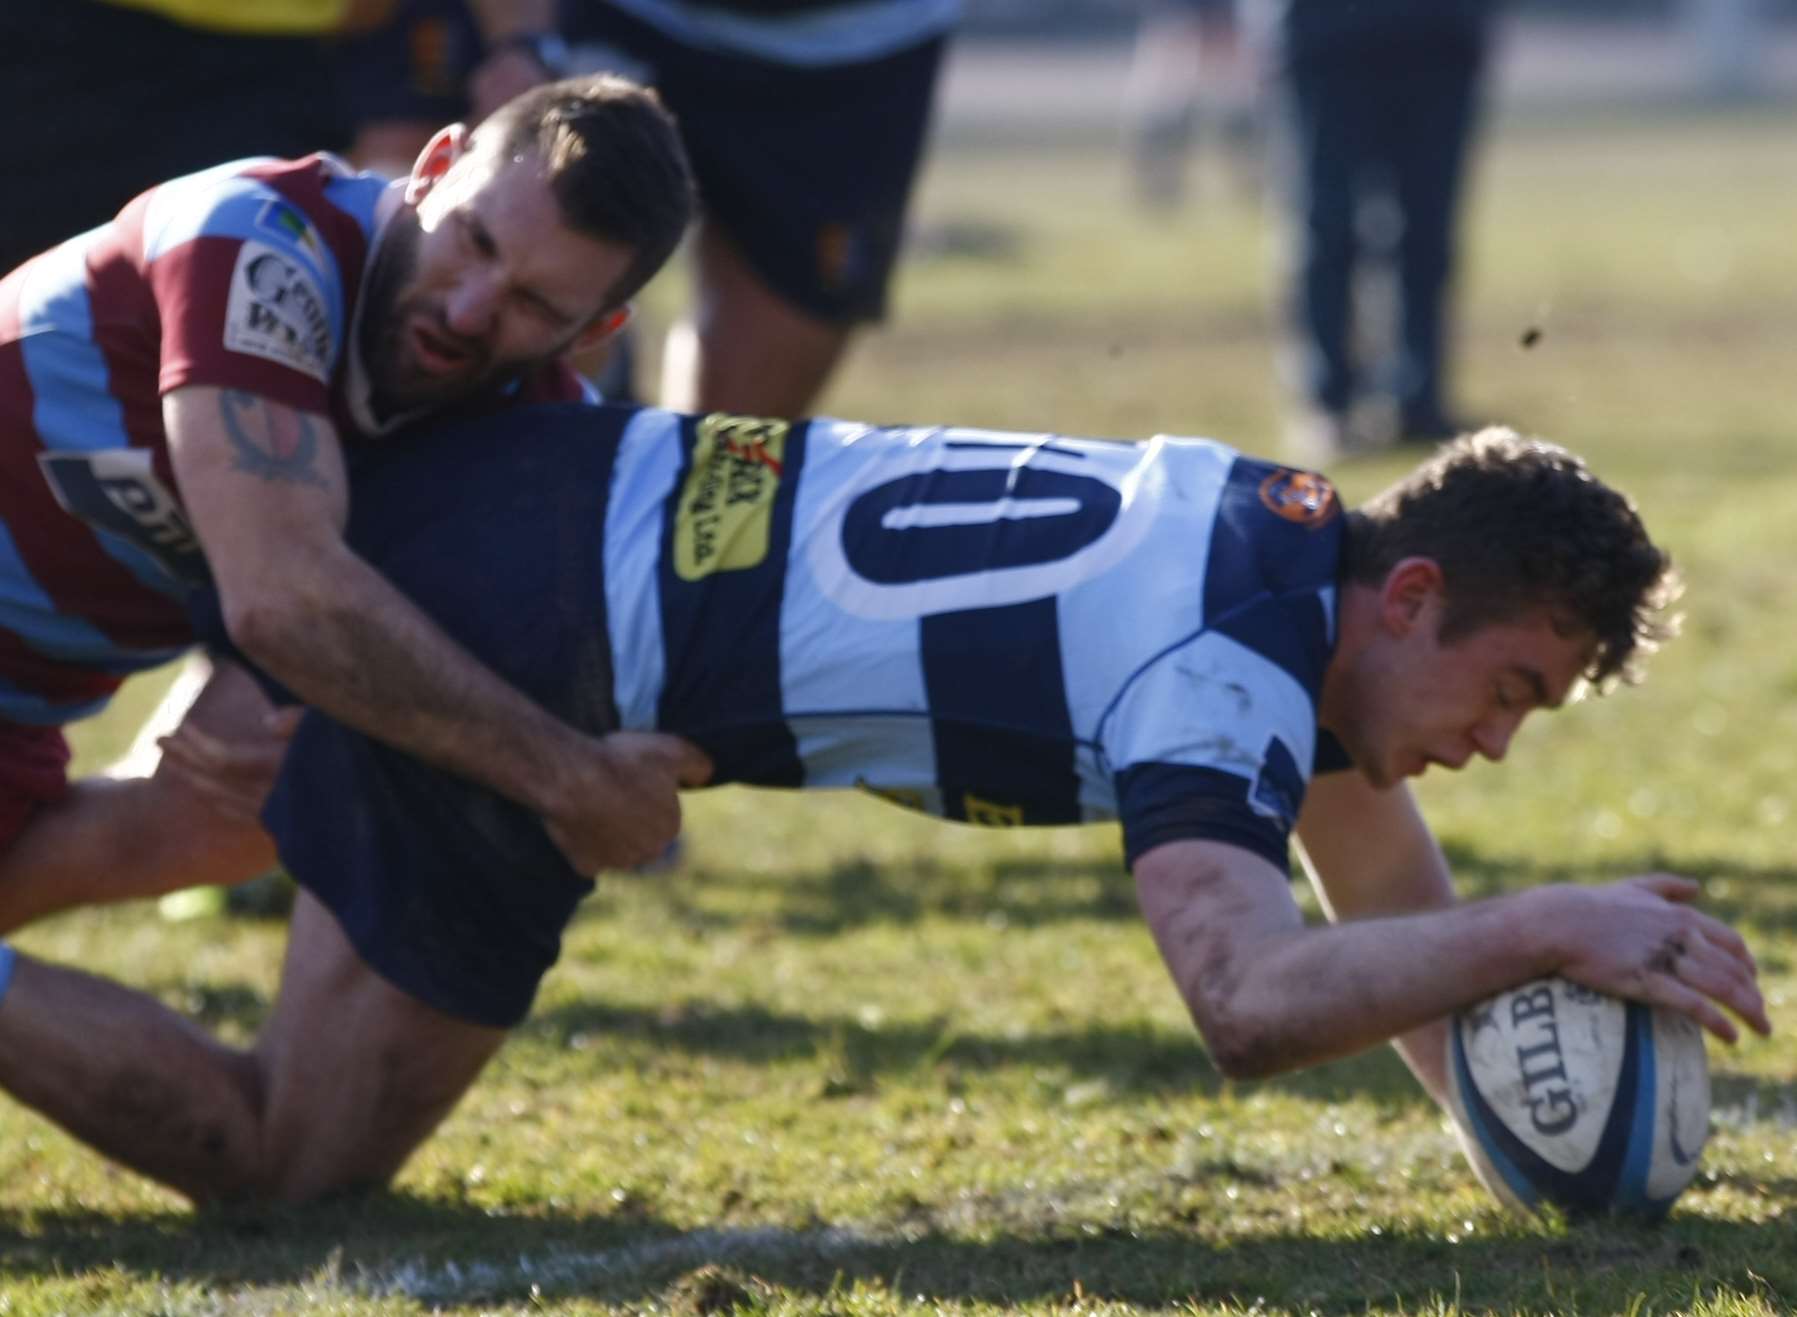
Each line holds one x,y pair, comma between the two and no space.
495,529
808,170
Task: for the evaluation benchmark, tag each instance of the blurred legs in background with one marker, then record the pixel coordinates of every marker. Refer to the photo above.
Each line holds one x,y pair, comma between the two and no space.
1374,130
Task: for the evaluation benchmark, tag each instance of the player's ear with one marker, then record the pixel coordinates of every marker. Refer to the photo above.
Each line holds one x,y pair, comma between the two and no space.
447,145
603,326
1411,589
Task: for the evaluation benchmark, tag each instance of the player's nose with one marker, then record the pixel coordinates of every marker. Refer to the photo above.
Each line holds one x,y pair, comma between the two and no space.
1492,737
472,303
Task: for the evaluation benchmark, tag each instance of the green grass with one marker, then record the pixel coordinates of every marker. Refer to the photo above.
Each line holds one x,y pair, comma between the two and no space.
850,1061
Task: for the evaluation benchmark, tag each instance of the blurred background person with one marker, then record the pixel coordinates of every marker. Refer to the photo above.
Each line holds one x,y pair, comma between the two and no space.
1374,105
404,79
1186,82
806,122
433,62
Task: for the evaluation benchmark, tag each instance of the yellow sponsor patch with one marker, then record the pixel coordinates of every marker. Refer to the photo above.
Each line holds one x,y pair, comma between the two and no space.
903,797
727,504
988,814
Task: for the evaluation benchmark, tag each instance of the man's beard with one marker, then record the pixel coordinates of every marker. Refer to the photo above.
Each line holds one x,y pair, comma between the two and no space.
396,384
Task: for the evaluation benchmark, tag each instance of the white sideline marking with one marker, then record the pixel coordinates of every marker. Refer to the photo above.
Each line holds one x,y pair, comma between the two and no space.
450,1280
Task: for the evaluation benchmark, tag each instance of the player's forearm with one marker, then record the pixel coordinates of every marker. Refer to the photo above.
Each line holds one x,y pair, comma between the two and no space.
347,642
1318,994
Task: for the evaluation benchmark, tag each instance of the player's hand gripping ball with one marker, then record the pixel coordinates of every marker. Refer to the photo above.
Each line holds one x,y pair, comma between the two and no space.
1563,1095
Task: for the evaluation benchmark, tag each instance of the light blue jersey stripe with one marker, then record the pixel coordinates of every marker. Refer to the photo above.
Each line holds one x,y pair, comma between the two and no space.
834,748
1212,703
74,410
834,663
214,203
1177,499
358,195
845,33
642,479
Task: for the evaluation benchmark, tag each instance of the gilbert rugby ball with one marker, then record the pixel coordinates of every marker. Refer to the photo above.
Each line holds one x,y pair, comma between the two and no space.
1566,1096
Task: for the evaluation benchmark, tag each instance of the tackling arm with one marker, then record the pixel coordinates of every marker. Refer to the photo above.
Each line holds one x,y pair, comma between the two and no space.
266,488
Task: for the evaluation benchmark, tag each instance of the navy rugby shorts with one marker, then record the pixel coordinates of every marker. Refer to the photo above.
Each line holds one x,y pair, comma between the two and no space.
446,890
808,170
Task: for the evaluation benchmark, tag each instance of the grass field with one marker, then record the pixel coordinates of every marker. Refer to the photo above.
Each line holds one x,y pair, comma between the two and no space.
849,1061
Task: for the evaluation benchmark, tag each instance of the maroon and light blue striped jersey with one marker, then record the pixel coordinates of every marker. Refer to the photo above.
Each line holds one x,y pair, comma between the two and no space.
247,276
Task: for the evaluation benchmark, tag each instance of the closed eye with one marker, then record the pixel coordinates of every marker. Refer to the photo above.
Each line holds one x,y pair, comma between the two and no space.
543,309
476,234
1522,687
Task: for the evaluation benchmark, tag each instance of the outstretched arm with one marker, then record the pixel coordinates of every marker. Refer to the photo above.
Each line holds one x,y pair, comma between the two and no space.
1367,853
1270,994
266,488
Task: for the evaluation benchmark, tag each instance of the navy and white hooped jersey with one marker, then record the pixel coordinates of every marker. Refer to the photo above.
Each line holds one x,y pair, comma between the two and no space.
997,628
1000,628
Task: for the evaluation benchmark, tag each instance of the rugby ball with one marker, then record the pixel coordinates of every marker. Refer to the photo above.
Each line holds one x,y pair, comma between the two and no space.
1563,1095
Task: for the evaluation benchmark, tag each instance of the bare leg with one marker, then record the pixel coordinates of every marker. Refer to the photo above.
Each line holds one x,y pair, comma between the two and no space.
118,839
121,841
347,1078
747,350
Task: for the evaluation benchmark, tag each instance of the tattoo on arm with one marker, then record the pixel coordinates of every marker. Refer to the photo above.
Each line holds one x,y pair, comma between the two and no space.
275,444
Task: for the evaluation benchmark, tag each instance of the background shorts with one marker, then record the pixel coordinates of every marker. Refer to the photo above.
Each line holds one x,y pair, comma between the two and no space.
808,170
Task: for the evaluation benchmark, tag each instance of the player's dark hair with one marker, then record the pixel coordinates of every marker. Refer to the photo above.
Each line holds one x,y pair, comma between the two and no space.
1516,524
615,165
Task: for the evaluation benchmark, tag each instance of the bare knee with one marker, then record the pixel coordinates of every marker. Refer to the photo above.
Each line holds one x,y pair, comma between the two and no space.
209,1149
273,1157
236,1148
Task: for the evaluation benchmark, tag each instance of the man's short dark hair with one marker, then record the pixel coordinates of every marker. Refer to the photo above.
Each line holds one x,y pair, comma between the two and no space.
1517,524
614,161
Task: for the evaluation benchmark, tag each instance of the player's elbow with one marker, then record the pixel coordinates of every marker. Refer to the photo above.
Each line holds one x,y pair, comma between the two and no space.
1241,1047
257,626
267,619
1240,1020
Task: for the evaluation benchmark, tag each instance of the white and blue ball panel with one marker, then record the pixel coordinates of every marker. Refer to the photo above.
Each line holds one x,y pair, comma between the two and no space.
1615,1178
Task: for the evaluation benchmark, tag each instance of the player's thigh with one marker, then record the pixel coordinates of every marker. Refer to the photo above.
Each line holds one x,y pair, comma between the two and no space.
100,840
751,350
808,168
356,1073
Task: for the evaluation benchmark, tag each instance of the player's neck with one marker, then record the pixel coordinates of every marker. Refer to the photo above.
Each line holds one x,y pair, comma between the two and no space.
1356,625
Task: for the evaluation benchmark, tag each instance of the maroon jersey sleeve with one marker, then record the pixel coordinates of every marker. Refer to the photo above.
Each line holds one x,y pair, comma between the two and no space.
246,304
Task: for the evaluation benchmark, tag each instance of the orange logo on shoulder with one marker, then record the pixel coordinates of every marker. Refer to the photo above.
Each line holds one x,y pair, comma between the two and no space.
1300,496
